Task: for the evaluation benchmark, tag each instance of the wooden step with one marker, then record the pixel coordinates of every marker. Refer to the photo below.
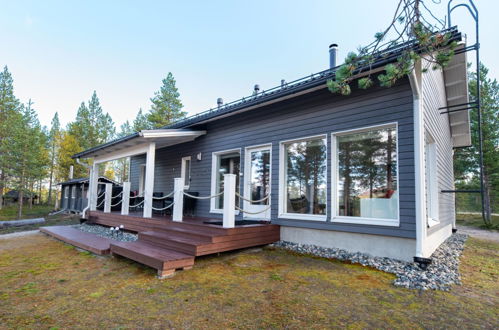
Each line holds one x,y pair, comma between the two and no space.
86,241
164,260
173,241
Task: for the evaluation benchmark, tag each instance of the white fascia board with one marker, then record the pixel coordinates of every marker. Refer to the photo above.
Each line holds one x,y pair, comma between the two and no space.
159,133
128,152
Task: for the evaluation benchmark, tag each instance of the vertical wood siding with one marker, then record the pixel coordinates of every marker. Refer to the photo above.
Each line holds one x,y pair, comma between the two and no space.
437,125
317,113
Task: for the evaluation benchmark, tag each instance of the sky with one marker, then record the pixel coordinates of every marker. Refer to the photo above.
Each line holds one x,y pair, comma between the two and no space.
59,52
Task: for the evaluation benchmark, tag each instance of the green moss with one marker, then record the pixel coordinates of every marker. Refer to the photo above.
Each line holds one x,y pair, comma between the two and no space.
269,289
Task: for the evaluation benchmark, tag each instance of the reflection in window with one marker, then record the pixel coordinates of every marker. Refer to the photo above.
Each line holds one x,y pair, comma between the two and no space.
260,176
226,164
306,176
367,165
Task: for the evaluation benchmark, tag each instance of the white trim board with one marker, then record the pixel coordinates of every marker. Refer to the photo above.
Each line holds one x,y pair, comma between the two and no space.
282,191
214,174
335,217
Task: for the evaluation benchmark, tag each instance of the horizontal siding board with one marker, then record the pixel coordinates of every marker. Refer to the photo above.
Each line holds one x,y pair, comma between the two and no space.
319,113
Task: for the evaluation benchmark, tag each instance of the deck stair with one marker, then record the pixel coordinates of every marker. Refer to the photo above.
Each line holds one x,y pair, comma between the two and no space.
167,246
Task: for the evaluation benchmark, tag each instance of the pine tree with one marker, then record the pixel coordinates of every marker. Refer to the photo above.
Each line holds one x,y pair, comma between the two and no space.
9,107
466,160
92,126
141,122
54,140
166,106
28,153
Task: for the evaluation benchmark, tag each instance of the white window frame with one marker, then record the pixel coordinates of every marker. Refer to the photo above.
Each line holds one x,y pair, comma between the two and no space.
335,175
183,170
431,182
282,214
214,174
142,179
247,192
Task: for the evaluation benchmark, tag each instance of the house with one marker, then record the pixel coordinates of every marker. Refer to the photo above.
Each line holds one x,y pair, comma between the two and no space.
74,192
12,197
363,172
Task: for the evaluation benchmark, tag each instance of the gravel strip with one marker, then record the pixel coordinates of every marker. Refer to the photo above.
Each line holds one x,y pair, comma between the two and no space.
440,274
106,232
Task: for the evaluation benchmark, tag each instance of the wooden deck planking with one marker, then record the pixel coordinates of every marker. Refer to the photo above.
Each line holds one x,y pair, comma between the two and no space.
90,242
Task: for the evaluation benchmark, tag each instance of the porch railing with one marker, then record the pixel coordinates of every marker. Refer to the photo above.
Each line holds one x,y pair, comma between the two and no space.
178,193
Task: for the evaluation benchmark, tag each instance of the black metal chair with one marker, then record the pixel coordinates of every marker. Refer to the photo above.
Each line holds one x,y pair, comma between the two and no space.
190,203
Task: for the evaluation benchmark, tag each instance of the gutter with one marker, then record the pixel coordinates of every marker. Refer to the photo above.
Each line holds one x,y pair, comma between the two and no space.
415,81
85,210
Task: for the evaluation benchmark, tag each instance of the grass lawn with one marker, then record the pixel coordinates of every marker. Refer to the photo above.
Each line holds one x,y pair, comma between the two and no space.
47,284
38,211
475,220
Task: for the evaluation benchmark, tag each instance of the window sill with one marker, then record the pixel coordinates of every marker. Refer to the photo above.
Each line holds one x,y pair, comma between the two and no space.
221,211
432,222
366,221
306,217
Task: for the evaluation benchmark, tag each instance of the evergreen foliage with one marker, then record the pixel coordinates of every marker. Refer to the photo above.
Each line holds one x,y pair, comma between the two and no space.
411,22
466,160
166,106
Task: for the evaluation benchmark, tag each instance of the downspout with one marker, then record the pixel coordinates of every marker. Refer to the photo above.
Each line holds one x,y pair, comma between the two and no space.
415,81
84,211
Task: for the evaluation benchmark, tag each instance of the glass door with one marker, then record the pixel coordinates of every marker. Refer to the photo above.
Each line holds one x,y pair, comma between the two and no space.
257,183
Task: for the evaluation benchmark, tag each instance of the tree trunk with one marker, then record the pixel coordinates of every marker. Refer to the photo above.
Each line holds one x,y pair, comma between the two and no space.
2,187
486,198
31,195
20,197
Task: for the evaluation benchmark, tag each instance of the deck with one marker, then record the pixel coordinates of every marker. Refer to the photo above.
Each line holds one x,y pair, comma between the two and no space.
168,246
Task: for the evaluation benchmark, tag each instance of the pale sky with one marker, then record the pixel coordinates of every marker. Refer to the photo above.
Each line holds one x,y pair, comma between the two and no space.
59,52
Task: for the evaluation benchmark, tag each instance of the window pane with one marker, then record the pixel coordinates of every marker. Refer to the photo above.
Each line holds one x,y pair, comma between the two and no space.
260,176
227,164
187,175
367,168
306,177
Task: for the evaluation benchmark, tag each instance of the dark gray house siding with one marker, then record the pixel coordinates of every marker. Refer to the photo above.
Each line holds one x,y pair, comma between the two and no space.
316,113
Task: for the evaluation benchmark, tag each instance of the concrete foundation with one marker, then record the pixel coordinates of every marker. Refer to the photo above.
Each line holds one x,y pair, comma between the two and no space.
375,245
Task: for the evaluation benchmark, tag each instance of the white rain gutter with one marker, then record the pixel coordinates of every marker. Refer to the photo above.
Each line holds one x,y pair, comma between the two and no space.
84,211
419,180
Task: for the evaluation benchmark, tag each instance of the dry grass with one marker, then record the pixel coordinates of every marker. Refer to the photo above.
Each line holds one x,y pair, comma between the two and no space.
47,284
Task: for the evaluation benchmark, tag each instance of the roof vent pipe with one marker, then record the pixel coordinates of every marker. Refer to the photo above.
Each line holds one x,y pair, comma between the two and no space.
220,102
256,90
333,52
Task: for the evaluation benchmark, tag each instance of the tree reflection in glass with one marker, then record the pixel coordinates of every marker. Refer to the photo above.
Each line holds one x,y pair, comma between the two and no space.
306,176
367,164
260,176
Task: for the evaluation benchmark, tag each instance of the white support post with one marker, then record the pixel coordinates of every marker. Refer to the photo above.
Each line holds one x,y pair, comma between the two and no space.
107,197
229,213
149,180
178,200
94,177
125,198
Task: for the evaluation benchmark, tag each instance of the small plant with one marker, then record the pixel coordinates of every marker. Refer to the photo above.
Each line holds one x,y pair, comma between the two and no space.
276,277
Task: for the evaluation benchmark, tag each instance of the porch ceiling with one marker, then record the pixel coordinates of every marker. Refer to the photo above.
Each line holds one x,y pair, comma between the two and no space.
136,143
456,88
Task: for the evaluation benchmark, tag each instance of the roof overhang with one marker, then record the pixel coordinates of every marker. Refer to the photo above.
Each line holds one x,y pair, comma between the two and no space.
138,143
456,89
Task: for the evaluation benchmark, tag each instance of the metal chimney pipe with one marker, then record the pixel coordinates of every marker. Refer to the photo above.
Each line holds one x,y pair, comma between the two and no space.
333,52
71,169
256,89
220,102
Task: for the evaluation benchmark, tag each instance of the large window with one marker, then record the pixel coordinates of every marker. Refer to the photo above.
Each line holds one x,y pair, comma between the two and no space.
224,163
304,179
366,175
